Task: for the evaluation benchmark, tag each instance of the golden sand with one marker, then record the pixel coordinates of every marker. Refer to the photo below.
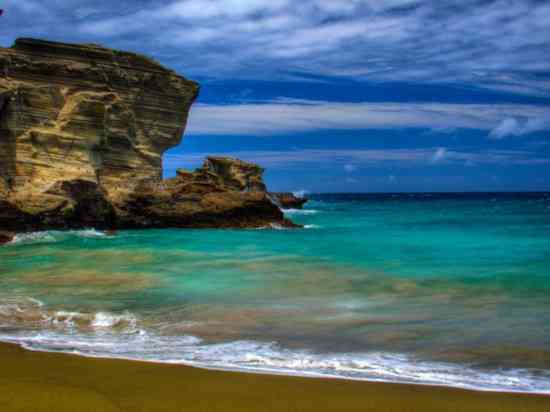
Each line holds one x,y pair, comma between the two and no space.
32,381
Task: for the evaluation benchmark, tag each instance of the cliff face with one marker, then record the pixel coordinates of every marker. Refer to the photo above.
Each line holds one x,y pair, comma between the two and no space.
82,133
86,112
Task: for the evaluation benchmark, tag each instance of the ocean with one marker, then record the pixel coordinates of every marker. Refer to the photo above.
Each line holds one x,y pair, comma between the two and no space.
444,289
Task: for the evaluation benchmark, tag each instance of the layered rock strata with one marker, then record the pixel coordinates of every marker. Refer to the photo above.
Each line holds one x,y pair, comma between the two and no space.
82,133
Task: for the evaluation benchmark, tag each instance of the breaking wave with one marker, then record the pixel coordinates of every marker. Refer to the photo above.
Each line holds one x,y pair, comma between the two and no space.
29,313
300,193
27,322
52,236
300,211
270,358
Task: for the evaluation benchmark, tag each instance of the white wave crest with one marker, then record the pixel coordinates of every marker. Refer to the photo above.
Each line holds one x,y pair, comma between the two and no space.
116,335
14,308
100,321
51,236
92,233
65,318
25,313
33,237
270,358
301,193
104,320
300,211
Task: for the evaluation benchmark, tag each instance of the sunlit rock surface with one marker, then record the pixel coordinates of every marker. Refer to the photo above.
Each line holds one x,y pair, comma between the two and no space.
82,133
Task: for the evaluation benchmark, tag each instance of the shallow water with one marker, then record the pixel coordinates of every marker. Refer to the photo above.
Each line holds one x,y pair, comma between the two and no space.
447,289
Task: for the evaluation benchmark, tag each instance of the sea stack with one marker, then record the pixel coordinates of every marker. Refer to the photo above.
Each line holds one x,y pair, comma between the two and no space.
83,130
290,200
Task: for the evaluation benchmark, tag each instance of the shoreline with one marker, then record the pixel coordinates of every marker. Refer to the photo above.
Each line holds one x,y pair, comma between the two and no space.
273,372
45,381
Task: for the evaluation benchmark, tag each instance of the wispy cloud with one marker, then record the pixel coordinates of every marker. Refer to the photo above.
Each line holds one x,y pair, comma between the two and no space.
367,158
439,155
285,115
518,127
499,44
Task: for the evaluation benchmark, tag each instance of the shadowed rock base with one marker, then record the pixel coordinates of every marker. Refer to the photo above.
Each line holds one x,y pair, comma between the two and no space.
6,237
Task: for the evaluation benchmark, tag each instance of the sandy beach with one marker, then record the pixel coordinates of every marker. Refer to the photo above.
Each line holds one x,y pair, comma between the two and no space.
35,381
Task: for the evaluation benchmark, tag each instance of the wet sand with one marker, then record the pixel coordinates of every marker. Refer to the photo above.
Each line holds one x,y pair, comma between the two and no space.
33,381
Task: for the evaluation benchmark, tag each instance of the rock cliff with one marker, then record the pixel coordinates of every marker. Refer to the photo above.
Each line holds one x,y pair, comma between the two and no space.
82,133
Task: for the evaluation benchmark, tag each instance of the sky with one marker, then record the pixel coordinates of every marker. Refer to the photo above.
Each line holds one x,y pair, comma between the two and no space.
341,95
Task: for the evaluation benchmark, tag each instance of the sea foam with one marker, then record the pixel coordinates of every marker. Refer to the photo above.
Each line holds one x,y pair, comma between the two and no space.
29,313
52,236
300,193
268,357
300,211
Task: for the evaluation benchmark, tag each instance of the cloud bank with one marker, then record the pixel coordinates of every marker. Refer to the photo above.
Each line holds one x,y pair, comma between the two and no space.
286,116
339,158
497,44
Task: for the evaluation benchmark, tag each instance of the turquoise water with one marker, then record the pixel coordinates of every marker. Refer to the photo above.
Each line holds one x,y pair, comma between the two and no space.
447,289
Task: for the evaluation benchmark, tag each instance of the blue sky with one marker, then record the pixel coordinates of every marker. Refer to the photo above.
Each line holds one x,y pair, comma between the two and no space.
341,95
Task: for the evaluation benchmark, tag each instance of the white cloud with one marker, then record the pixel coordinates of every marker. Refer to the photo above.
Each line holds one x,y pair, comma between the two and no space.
517,127
285,115
337,158
190,9
507,127
439,155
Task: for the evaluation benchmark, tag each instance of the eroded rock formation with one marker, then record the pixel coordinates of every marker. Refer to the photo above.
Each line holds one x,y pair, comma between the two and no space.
224,192
82,133
289,200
